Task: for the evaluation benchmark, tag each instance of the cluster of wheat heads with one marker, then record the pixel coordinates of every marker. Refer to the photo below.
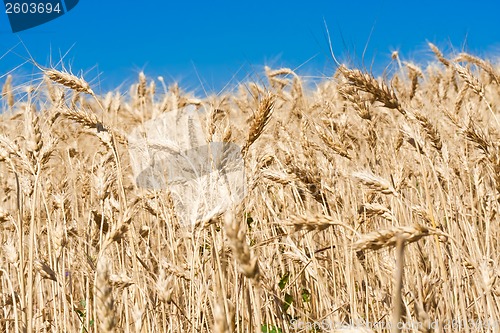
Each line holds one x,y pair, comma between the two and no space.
369,202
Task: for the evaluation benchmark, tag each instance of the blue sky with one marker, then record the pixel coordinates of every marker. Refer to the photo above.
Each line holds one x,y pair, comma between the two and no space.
208,44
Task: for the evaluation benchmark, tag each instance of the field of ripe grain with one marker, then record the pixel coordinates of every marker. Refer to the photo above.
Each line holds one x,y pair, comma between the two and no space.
371,205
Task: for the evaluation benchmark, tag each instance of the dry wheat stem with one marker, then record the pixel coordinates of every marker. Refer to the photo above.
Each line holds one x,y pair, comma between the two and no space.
375,182
69,80
249,265
7,91
388,237
316,222
369,84
259,122
398,286
439,55
104,297
483,64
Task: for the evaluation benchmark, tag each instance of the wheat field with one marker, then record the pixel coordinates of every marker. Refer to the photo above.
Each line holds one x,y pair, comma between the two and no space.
371,205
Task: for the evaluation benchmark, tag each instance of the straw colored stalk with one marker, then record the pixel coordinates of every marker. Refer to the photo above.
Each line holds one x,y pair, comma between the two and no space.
481,63
315,222
260,120
379,89
375,183
7,91
439,55
104,297
69,80
414,73
248,264
388,238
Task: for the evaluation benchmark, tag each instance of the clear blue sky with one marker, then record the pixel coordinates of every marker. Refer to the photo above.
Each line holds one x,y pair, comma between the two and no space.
111,41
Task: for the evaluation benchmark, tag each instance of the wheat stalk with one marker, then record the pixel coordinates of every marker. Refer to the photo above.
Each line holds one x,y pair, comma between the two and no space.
104,297
414,72
483,64
439,55
430,130
7,91
389,237
315,222
69,80
248,264
369,84
259,122
375,182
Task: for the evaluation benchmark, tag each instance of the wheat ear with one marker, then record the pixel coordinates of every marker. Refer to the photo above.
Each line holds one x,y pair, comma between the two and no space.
69,80
260,120
380,90
7,91
104,297
439,55
389,237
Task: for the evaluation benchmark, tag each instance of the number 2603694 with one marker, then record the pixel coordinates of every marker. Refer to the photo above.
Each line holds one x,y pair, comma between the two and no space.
32,8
